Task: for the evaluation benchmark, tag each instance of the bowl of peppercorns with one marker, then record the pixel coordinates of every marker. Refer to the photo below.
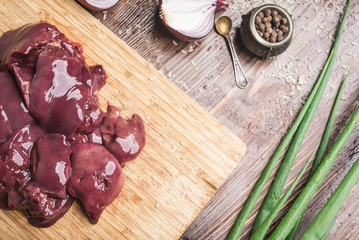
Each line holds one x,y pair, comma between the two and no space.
267,30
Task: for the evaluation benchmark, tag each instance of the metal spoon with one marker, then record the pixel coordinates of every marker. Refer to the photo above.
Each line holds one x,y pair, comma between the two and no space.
224,26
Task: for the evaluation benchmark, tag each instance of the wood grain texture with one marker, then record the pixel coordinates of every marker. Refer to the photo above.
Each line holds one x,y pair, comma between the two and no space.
188,152
260,114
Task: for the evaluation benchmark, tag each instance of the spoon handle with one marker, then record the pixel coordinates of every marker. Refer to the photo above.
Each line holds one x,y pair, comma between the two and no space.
241,79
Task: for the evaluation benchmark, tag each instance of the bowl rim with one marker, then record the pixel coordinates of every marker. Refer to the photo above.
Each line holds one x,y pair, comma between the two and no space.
259,38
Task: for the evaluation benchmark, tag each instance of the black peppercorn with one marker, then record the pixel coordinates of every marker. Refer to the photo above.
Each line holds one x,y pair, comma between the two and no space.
276,20
261,27
273,39
258,20
271,25
269,30
284,28
267,12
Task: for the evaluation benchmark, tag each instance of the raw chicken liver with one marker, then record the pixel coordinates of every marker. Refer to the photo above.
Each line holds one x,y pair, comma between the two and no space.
96,178
42,210
52,128
5,126
125,139
51,165
58,92
13,110
15,161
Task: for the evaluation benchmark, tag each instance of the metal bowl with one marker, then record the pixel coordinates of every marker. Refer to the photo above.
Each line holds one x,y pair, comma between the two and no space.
255,43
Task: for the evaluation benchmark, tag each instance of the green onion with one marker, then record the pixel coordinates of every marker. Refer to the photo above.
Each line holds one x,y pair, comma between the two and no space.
288,222
328,232
322,147
325,139
262,230
327,214
283,172
279,181
335,46
258,188
256,192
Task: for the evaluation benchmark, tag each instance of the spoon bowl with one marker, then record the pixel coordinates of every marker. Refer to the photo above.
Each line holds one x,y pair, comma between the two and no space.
224,27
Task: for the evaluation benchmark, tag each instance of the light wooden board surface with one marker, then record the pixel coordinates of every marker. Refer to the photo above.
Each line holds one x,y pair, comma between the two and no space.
188,153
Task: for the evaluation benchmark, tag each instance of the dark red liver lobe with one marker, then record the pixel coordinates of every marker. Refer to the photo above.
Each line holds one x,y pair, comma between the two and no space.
93,115
96,178
5,126
58,92
52,74
48,108
43,210
125,139
15,161
13,108
51,165
22,46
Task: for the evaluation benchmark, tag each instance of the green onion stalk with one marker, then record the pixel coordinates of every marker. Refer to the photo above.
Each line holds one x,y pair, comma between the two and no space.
322,147
251,201
325,217
289,220
258,188
278,183
262,230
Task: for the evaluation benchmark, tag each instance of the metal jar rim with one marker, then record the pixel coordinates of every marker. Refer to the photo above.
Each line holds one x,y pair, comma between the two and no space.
258,38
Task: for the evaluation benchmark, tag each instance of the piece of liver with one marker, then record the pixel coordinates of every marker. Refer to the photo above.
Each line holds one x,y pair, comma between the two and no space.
15,153
50,164
13,106
125,139
96,178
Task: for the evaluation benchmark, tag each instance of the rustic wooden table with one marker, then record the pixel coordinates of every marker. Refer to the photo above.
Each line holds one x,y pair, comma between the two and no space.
262,113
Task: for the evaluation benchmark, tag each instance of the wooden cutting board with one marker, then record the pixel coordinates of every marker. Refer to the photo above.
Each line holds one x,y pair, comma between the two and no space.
188,153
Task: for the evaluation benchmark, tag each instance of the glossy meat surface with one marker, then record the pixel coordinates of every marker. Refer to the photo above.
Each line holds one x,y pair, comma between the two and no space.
50,164
58,92
125,139
15,155
15,161
13,109
53,134
96,178
5,126
52,74
18,188
42,210
22,46
93,114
